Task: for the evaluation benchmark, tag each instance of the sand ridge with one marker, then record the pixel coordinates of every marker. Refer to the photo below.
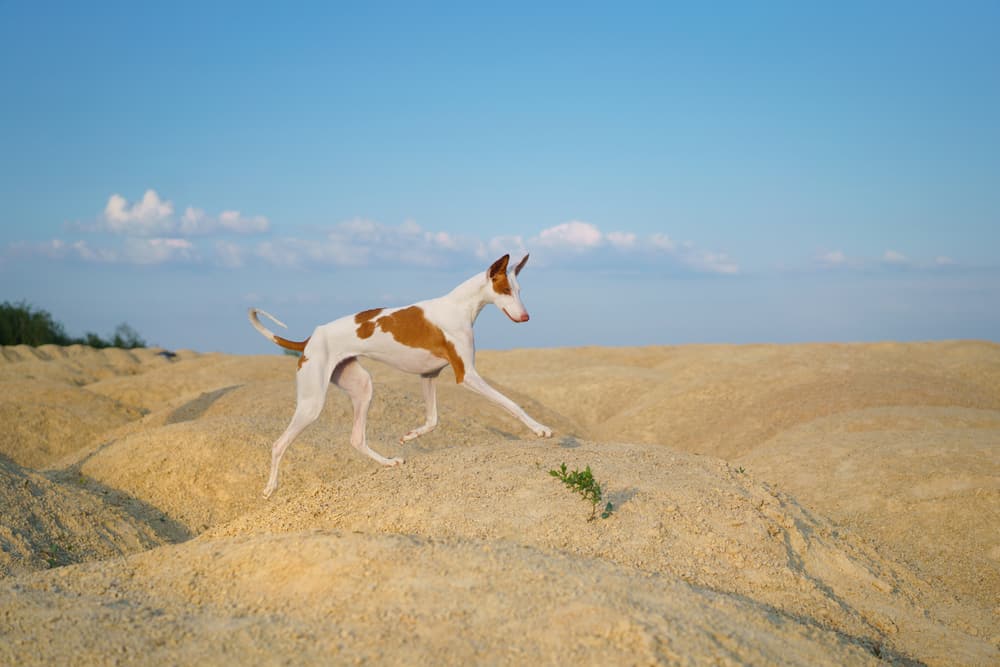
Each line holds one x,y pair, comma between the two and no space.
799,504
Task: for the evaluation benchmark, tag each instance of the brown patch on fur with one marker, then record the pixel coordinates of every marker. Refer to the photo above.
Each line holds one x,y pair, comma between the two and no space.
366,315
298,346
364,320
498,275
410,327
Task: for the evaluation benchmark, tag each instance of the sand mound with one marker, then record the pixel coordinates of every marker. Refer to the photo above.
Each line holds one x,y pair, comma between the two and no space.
79,364
726,400
204,458
48,405
44,421
807,504
47,524
684,516
350,599
907,477
178,382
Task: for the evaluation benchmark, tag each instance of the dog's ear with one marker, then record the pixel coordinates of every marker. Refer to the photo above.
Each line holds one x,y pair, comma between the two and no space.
520,265
498,267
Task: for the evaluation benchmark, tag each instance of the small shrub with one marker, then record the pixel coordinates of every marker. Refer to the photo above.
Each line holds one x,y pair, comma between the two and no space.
583,482
56,555
23,324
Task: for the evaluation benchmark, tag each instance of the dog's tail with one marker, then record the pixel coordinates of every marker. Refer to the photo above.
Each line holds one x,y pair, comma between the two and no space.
298,346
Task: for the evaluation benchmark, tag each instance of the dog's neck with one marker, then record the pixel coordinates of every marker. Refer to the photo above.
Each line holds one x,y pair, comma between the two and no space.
471,297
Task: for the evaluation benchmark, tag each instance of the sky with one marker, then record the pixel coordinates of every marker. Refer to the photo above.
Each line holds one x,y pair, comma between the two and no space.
723,172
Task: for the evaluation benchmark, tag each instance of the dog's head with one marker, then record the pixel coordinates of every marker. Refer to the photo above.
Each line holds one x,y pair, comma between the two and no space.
506,292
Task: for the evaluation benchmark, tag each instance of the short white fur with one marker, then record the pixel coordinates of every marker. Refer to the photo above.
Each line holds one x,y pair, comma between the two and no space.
331,356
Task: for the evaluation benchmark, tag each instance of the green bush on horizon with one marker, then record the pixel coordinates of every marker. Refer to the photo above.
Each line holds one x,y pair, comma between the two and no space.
23,324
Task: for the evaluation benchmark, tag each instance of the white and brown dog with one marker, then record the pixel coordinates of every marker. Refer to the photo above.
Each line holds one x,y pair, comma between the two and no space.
421,339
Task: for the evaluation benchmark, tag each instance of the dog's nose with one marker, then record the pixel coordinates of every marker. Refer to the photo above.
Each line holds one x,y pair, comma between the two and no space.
525,318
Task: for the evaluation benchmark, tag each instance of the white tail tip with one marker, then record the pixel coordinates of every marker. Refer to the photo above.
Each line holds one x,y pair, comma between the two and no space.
272,318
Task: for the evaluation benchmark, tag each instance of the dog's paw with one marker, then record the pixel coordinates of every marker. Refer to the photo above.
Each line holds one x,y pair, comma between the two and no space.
395,462
267,492
417,432
543,431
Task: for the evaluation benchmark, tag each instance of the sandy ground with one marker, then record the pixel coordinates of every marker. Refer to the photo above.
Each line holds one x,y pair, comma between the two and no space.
800,504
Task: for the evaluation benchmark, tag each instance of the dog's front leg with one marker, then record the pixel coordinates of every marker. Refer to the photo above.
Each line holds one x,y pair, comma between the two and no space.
430,401
477,384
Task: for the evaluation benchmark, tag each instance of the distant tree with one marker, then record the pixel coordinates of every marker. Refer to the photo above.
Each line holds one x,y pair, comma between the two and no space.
23,324
126,337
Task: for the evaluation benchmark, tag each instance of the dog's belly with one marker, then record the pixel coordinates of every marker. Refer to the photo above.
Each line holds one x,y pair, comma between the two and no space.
414,361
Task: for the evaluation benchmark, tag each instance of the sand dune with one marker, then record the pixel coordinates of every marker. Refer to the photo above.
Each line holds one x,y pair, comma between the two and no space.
804,504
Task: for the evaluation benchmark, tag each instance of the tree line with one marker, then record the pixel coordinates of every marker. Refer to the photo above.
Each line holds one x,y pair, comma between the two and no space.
23,324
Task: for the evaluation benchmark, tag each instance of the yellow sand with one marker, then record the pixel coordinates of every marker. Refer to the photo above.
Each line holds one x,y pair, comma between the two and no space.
800,504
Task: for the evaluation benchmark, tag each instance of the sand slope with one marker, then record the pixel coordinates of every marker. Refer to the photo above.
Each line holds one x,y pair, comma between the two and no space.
47,524
807,504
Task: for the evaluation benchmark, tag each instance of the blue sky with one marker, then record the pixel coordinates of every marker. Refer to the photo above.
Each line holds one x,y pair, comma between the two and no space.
710,172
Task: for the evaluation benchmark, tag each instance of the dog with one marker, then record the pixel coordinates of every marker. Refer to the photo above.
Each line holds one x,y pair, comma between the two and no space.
421,338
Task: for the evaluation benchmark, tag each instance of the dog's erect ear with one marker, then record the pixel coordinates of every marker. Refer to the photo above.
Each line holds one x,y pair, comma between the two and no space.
520,265
498,267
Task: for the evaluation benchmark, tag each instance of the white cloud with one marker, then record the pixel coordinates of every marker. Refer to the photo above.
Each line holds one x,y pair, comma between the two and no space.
893,257
151,215
130,250
662,242
150,233
234,222
194,221
407,243
622,240
501,245
443,240
59,249
575,235
614,247
88,254
279,253
363,242
888,260
157,250
359,229
712,262
410,227
833,258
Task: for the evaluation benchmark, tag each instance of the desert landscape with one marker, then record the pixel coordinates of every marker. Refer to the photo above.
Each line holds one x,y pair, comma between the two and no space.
812,504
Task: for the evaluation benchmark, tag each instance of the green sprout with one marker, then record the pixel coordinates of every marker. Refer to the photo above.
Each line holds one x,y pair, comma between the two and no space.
583,482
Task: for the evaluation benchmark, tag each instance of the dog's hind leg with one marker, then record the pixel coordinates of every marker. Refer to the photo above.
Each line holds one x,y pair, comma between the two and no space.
311,382
355,380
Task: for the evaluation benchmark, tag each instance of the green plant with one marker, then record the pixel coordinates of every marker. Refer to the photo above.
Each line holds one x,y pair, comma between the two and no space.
583,482
21,323
56,555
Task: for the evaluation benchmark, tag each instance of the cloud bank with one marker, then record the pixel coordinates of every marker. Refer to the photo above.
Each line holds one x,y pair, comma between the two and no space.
148,231
153,216
889,260
151,231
